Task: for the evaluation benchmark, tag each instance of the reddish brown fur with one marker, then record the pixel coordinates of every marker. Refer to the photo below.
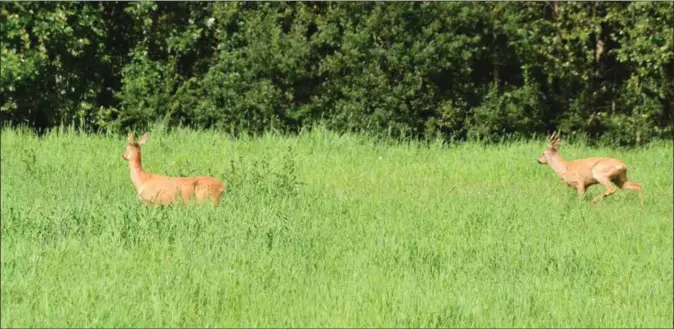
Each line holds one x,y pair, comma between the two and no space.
160,190
582,173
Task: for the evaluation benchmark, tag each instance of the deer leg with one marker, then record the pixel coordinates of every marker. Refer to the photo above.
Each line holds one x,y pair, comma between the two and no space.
625,183
580,187
609,189
634,187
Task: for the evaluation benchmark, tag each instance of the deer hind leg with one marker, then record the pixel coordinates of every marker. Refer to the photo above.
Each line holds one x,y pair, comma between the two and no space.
197,192
610,189
217,194
204,191
634,187
624,183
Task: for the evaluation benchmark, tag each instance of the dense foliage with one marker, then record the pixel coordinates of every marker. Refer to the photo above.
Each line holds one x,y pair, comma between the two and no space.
461,70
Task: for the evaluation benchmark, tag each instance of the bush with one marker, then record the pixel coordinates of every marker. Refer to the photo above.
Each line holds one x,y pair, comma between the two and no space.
411,69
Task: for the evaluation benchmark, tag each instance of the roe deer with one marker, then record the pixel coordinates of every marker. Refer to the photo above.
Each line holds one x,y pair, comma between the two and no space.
580,174
157,189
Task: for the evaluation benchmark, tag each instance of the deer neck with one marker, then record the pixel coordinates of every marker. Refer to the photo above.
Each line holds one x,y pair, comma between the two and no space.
558,165
138,176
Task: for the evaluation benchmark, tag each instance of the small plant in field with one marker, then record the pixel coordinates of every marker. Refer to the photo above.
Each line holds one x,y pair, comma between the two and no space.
233,176
286,180
29,159
183,171
261,172
262,178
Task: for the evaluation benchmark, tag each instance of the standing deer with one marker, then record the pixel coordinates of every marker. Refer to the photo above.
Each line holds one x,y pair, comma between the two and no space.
160,190
581,173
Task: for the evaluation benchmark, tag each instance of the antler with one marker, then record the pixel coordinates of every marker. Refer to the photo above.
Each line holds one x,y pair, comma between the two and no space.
553,140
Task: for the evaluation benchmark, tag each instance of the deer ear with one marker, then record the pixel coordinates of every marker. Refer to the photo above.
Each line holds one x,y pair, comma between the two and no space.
143,139
130,136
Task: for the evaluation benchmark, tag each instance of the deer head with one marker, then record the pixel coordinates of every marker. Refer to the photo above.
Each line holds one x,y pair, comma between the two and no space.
551,149
132,151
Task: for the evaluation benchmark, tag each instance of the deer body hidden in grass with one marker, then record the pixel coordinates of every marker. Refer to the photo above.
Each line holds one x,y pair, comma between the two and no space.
162,190
582,173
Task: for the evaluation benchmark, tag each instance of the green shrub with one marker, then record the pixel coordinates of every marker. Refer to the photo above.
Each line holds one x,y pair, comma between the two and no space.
406,69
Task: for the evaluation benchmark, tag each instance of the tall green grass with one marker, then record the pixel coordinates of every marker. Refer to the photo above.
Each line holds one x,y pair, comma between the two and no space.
329,230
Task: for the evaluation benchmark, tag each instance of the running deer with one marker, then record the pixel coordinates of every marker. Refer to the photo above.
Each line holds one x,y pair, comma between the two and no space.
161,190
582,173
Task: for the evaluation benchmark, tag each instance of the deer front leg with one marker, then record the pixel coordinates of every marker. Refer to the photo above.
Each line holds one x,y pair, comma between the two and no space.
580,187
609,189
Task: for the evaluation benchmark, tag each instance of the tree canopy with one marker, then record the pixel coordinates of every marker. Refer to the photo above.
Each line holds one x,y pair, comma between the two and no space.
422,69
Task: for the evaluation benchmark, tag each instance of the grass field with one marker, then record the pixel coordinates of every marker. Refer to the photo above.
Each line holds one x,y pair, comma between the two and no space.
330,230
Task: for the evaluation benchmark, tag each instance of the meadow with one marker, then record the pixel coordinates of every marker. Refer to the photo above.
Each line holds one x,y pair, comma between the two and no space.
330,230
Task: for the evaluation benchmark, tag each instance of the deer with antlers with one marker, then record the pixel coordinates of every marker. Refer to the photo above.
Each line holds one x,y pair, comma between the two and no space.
582,173
161,190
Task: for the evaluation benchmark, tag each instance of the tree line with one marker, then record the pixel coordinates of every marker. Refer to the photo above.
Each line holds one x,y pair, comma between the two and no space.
458,70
